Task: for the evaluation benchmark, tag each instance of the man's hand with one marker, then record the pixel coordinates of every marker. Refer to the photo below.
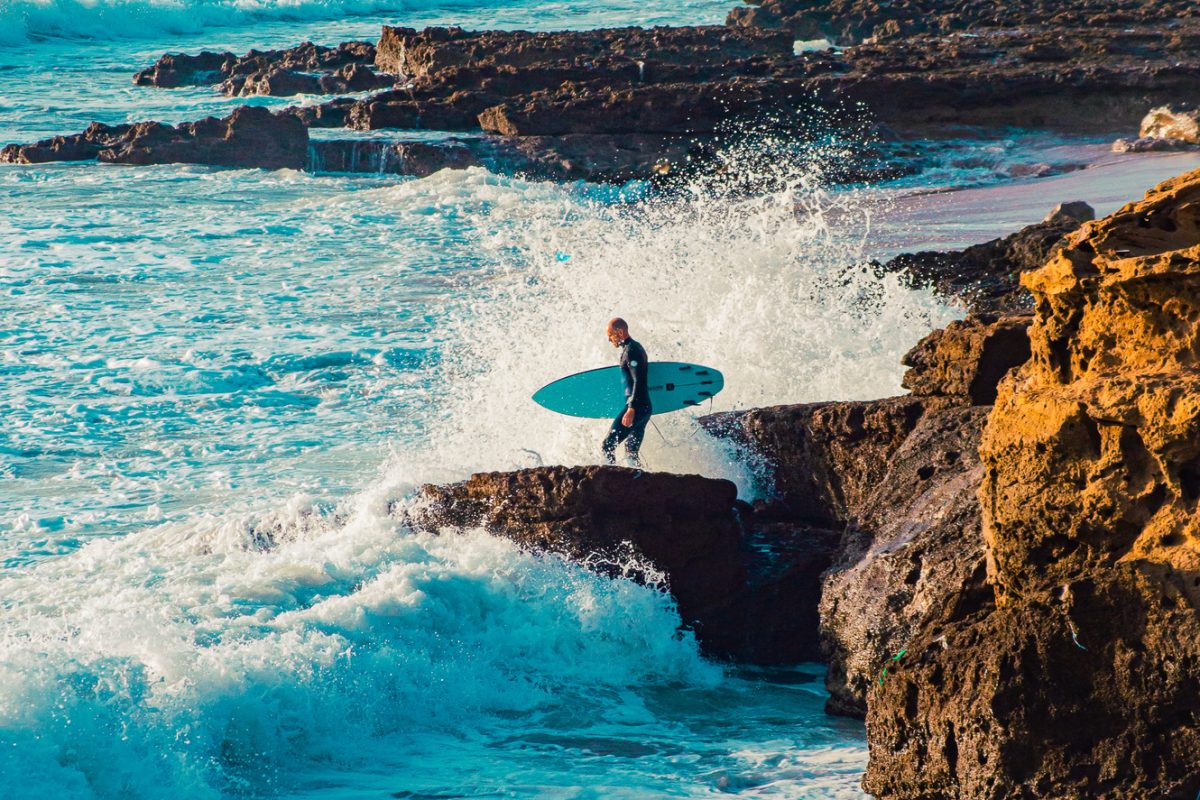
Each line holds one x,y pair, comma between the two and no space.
627,420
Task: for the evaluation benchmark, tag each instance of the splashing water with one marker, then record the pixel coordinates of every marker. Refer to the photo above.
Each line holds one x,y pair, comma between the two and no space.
771,289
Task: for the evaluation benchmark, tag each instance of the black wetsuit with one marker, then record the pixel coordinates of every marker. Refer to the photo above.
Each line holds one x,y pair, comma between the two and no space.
634,372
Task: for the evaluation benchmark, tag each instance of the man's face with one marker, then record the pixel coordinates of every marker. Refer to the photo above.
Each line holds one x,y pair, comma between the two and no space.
614,336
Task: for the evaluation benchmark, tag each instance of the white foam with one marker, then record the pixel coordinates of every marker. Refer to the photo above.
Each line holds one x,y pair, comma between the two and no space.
770,289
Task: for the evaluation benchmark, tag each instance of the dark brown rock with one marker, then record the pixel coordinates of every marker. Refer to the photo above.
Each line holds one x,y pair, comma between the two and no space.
852,21
305,69
916,555
967,359
249,137
824,459
416,158
664,109
424,54
84,146
987,276
597,158
748,583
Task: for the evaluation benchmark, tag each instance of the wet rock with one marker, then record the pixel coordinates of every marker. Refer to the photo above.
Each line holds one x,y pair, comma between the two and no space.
664,109
330,114
1077,679
598,158
305,69
84,146
731,568
986,277
415,158
179,69
966,360
916,555
249,137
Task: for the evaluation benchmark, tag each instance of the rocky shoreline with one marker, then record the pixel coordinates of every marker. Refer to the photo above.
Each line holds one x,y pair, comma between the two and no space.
1000,566
631,103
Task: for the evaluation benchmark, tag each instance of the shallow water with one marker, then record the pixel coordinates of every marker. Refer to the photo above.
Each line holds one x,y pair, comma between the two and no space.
214,383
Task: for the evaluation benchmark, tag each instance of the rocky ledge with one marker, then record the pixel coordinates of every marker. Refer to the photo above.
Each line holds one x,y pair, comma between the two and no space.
249,137
725,564
305,69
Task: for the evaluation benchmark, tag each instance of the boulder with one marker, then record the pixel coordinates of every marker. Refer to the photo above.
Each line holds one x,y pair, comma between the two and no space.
249,137
823,459
84,146
966,359
1172,122
746,583
1076,678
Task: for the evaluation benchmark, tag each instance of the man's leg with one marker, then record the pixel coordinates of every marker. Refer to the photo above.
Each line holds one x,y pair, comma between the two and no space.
633,439
616,435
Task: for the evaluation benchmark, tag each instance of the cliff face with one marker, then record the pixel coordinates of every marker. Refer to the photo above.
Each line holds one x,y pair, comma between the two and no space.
1079,680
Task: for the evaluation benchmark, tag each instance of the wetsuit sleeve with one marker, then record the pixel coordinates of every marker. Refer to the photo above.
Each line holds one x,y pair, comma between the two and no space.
637,371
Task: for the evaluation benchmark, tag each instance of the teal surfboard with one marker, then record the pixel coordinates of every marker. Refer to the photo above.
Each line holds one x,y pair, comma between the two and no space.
600,393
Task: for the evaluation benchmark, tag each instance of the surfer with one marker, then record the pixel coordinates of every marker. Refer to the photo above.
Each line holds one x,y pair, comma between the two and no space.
630,425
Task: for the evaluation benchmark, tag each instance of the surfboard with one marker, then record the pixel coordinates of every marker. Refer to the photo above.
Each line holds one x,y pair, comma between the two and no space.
600,393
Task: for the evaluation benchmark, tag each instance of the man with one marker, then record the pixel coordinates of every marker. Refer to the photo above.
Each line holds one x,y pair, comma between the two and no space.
630,424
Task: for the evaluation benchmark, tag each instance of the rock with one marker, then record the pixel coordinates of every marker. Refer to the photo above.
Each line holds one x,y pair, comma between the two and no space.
966,360
305,69
331,114
1076,210
664,109
853,21
179,69
824,459
415,158
423,54
684,526
1078,679
1174,122
84,146
987,276
1149,144
917,555
598,158
249,137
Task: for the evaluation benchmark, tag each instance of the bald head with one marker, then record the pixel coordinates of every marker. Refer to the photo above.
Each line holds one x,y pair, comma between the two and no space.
618,331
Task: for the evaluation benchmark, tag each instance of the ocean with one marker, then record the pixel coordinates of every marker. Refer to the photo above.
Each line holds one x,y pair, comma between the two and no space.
197,363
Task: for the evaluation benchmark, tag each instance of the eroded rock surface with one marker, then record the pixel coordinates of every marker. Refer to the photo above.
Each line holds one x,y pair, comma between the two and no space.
852,21
305,69
898,477
249,137
724,568
1077,680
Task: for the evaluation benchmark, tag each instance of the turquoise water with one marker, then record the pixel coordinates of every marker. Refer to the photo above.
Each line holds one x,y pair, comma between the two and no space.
214,383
